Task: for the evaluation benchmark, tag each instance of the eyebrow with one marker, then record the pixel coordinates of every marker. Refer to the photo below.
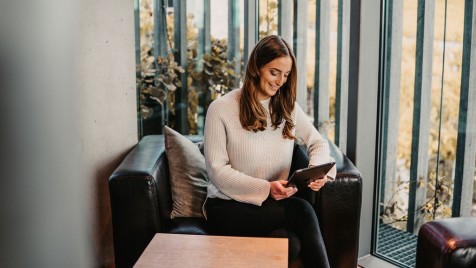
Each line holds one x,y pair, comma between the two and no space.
275,69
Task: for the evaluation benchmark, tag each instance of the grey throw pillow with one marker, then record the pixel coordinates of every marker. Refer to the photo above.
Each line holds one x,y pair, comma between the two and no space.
188,176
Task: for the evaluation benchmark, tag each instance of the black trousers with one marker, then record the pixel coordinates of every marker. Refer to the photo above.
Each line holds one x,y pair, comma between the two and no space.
295,215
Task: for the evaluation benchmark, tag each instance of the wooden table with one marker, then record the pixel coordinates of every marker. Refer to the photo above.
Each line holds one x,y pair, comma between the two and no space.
179,250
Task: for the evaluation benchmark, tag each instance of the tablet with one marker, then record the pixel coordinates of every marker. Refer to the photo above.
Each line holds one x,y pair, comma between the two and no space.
301,177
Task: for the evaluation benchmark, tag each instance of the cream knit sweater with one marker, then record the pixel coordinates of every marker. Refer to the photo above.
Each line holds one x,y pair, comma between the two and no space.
241,163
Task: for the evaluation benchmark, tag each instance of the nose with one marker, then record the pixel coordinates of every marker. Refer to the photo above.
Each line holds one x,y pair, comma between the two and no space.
280,80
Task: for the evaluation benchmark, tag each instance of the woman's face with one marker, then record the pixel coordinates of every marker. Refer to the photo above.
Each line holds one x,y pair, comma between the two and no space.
273,75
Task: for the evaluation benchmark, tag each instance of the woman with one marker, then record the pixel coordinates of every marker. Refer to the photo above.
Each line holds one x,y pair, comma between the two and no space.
249,141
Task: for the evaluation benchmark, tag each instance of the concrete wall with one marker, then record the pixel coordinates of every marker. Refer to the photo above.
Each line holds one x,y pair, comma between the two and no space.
68,116
365,155
107,106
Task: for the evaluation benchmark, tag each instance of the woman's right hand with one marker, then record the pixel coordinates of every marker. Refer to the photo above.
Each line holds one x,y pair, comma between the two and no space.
278,191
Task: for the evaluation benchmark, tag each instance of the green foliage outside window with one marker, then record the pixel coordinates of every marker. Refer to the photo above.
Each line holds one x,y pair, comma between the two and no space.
208,76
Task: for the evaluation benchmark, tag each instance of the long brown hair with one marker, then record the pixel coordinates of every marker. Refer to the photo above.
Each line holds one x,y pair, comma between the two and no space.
252,114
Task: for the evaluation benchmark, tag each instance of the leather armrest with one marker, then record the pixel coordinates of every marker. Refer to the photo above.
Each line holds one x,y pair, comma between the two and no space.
338,209
132,189
339,219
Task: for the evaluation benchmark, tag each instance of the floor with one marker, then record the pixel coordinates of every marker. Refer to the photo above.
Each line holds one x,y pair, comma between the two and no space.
370,261
397,245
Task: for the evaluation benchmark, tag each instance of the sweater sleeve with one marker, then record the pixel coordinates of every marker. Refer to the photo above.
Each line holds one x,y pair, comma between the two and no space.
317,146
229,181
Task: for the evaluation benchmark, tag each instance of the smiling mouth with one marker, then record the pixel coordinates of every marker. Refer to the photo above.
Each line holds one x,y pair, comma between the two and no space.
274,87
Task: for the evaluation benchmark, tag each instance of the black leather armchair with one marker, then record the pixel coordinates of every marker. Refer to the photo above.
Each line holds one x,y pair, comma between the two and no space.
447,243
141,203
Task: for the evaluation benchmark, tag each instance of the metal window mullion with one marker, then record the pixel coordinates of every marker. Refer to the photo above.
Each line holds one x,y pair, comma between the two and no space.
180,41
160,46
353,86
466,145
251,27
137,35
300,45
421,113
203,47
342,74
206,26
285,20
160,29
138,67
392,97
321,74
234,36
203,18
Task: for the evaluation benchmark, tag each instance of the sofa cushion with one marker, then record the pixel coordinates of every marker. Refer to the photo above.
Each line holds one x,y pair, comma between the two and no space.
188,176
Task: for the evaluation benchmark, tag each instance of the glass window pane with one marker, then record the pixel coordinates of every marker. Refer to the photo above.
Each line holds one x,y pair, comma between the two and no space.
397,232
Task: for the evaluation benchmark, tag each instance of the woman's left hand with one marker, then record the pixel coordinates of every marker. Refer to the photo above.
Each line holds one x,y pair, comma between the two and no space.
316,185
